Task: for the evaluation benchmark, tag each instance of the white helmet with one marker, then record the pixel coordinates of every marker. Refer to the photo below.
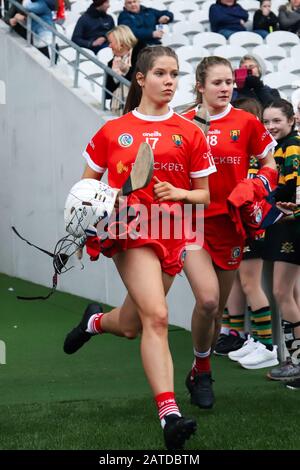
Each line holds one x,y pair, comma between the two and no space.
88,202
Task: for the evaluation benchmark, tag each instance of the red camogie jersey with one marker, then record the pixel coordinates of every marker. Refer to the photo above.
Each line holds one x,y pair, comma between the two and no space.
234,137
179,147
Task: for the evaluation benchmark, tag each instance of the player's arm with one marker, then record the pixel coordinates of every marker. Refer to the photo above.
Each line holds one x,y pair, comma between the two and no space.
90,173
199,194
268,161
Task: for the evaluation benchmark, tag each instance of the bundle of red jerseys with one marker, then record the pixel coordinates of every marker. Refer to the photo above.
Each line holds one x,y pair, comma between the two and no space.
119,227
251,205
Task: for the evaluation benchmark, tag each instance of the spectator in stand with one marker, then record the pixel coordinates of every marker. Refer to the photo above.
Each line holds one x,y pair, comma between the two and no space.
42,37
253,86
143,21
11,20
91,28
264,20
227,17
289,16
125,48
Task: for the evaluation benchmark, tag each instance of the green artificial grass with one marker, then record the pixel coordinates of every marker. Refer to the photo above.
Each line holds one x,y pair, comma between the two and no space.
99,398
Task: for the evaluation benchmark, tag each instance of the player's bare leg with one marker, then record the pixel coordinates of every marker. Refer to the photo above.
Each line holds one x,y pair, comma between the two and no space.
206,291
148,294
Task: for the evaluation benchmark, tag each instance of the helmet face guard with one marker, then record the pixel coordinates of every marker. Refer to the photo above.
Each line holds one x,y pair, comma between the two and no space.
88,202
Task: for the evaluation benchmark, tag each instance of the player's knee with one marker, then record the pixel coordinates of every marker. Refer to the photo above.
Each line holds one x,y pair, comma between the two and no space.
246,288
158,319
209,307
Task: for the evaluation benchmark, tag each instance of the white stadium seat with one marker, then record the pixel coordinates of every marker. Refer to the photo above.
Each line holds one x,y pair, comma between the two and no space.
232,53
284,39
281,81
186,7
295,51
247,39
175,40
209,40
189,29
295,98
270,52
290,64
202,17
192,54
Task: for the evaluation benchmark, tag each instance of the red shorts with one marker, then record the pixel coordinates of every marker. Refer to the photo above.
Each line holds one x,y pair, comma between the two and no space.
223,242
169,250
171,253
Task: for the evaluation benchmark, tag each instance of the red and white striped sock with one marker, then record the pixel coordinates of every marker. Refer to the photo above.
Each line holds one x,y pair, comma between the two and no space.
201,362
94,324
166,405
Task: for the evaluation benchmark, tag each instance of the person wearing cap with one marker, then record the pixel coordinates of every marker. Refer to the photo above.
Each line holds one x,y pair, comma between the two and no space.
253,86
91,28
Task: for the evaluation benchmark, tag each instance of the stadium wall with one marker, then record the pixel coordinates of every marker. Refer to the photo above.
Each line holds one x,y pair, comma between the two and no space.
44,127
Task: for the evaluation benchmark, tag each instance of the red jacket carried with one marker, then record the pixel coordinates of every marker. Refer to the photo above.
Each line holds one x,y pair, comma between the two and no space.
251,205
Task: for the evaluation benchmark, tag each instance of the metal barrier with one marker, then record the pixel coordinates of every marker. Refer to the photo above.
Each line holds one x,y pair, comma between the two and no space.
81,55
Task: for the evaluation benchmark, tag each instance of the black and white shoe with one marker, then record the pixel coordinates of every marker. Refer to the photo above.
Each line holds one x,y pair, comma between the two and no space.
79,336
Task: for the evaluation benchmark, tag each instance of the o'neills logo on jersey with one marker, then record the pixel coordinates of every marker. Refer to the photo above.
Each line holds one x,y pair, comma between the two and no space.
125,140
152,134
234,134
121,168
177,139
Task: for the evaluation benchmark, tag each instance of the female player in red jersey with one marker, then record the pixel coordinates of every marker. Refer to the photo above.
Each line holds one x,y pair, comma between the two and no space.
147,266
234,136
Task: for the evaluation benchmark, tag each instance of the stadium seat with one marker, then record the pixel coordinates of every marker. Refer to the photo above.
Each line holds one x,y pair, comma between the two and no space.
209,40
206,5
295,51
269,66
186,7
290,64
201,16
232,53
284,81
247,39
116,7
175,40
295,98
185,68
182,98
284,39
189,29
272,53
105,55
251,6
191,54
187,83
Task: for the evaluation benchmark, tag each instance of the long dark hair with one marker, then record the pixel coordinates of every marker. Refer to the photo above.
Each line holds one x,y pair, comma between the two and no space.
145,62
286,108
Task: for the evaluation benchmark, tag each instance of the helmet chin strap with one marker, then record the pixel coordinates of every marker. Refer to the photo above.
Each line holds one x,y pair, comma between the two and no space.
59,257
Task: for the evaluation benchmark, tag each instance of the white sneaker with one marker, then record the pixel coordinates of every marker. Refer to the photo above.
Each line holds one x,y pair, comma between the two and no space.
261,357
248,347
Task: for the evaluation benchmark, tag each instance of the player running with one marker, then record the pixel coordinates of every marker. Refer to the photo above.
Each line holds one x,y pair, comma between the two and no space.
147,266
